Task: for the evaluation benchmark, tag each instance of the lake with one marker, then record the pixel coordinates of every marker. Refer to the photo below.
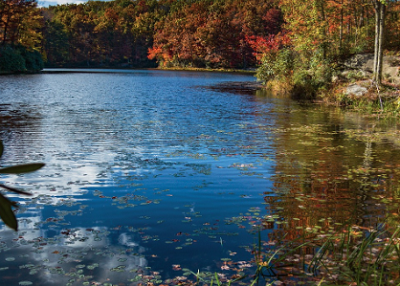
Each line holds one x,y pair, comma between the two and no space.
152,174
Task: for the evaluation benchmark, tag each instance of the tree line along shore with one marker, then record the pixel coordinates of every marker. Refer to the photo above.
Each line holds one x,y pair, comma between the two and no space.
295,46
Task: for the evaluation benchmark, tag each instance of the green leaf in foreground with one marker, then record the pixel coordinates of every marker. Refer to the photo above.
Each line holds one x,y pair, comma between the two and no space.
14,190
1,148
6,212
26,168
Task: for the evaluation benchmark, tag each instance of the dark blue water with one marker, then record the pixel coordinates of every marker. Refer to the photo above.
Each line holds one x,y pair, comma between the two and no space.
145,170
152,174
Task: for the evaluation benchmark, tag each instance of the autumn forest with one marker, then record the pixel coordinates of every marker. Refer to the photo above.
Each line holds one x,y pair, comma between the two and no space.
199,174
197,33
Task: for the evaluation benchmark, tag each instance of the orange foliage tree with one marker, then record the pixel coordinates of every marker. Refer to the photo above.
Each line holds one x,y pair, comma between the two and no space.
20,23
215,34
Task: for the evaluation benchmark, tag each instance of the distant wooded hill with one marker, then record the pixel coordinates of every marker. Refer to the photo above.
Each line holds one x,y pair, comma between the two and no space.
195,33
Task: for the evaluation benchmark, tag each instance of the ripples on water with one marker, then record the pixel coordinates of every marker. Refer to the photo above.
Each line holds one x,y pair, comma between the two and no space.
147,170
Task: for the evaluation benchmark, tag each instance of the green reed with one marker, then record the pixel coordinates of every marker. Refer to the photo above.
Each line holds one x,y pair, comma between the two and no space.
351,257
369,258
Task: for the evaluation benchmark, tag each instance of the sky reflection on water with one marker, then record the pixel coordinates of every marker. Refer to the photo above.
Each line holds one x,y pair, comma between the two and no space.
148,170
142,167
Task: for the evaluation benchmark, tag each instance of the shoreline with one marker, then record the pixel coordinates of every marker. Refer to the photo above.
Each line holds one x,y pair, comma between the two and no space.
106,69
240,71
334,96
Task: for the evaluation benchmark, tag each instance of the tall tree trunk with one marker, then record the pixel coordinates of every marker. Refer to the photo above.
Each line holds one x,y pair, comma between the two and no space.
380,12
381,42
341,30
5,28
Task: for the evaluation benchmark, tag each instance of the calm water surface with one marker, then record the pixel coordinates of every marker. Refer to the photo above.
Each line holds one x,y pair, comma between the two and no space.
151,172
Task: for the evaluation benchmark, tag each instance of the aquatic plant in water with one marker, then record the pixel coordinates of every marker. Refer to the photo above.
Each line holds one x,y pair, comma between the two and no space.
6,212
351,256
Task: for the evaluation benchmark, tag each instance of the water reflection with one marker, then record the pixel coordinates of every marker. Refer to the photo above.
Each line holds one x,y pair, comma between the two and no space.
326,173
146,161
72,257
335,173
148,170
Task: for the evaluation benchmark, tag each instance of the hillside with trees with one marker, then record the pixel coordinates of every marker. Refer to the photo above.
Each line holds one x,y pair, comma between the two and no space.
116,33
172,33
296,45
20,36
323,33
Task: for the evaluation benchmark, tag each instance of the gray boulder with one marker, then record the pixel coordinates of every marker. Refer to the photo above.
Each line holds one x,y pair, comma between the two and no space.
356,89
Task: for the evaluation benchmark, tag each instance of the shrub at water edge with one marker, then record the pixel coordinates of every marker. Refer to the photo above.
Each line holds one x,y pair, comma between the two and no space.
19,59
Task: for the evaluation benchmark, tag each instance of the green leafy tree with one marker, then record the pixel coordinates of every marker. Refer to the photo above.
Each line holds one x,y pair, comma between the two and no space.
56,43
11,60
